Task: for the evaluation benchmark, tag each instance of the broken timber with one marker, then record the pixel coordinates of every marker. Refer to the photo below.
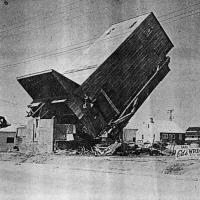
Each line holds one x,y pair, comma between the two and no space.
130,61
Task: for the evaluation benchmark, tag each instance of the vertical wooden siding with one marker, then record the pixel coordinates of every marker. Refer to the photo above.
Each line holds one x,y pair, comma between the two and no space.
129,68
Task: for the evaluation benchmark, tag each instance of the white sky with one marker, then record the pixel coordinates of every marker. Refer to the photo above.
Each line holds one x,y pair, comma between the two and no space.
41,34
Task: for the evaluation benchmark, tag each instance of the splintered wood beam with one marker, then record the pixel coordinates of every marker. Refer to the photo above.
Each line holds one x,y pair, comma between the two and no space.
38,109
135,99
110,101
122,119
44,114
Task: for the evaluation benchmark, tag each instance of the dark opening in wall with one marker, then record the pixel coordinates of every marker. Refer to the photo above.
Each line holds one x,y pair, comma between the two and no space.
10,139
132,25
5,3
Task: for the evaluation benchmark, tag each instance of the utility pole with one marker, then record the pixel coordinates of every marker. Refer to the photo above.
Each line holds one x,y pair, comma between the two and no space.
170,111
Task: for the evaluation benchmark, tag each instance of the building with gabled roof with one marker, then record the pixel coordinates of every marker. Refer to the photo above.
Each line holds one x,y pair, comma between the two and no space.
8,137
193,134
161,131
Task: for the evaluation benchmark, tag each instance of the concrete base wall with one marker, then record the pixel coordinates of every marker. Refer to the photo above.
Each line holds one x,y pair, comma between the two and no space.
129,135
39,136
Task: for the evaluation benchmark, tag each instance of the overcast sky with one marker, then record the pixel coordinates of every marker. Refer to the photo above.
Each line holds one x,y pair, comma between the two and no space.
41,34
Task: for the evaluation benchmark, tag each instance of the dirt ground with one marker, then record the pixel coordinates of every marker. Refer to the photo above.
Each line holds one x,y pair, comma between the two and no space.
150,165
141,177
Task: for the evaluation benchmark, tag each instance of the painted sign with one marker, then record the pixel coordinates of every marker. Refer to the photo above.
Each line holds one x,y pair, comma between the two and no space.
184,152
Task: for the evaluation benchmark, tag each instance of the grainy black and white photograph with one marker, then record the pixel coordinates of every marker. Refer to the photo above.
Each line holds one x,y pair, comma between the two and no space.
99,99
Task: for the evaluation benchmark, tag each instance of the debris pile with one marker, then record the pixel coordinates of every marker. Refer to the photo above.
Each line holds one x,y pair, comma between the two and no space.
3,122
159,149
120,149
174,168
128,149
75,151
106,151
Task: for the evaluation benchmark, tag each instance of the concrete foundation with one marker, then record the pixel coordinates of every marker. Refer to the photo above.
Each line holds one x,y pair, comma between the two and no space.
38,136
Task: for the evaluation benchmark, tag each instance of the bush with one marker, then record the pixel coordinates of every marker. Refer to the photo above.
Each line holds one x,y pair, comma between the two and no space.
175,168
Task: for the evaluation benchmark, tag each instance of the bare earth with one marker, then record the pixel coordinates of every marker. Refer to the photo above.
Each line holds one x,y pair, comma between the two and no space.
27,177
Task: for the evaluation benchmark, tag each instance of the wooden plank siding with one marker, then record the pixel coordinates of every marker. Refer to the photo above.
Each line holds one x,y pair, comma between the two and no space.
146,91
96,125
129,68
47,85
135,54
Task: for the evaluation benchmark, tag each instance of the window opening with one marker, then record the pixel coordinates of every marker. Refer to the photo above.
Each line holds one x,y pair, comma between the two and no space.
10,139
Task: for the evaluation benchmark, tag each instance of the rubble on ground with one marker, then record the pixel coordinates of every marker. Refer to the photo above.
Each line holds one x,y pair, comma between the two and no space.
106,151
20,158
71,152
120,149
128,149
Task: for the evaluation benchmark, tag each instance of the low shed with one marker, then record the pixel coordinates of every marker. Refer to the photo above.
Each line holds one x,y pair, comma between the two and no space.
157,131
192,134
7,138
129,134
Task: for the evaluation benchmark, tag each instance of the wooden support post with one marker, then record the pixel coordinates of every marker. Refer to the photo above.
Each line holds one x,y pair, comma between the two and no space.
110,101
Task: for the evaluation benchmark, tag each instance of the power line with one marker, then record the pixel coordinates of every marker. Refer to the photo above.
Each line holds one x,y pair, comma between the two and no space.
179,10
68,18
77,48
15,34
58,53
47,25
48,54
182,17
131,16
65,6
61,52
91,67
180,14
69,50
36,16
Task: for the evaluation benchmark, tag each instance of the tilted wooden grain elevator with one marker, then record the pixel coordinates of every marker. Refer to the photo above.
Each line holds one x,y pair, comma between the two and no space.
123,67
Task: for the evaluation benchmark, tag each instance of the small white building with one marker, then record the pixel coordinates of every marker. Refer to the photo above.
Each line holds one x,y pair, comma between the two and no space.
129,133
8,138
156,131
